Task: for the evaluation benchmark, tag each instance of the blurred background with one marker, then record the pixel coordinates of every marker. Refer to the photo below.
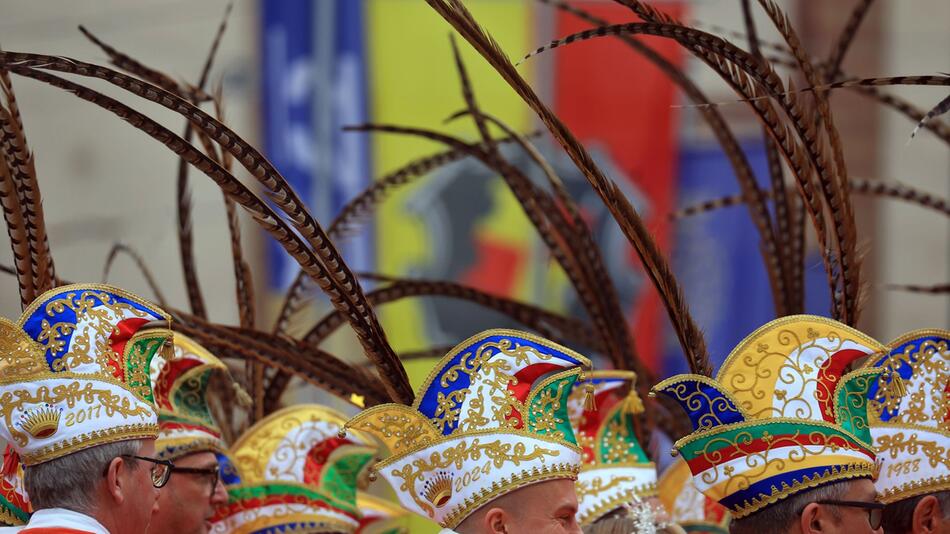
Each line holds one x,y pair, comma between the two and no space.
294,72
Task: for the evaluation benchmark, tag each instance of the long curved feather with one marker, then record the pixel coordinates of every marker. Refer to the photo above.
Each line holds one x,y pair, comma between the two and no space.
846,37
858,186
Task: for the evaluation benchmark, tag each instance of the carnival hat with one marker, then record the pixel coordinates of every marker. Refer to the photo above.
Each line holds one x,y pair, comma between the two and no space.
181,385
687,506
74,371
380,516
910,415
491,418
15,506
781,416
292,471
614,465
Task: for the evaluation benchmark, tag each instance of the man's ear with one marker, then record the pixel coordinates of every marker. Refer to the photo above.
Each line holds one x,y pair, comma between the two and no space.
496,521
814,519
927,515
116,479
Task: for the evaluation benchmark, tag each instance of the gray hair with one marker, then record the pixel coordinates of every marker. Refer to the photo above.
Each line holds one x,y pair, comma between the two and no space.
899,516
779,517
70,481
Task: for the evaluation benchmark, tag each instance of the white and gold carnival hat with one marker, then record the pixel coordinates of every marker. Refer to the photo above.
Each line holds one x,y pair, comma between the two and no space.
909,413
74,371
490,418
782,416
687,506
292,472
180,386
614,466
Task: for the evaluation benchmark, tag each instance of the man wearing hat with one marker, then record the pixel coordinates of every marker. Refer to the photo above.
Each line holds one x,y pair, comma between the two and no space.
76,407
292,472
189,438
487,446
910,422
781,436
615,470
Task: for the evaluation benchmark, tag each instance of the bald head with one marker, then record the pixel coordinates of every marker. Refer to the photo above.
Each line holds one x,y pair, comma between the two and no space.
544,508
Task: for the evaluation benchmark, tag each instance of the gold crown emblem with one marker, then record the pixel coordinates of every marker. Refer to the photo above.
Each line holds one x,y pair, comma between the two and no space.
876,470
438,490
41,422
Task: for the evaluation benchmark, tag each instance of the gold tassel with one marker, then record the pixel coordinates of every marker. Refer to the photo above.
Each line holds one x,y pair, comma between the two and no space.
899,385
590,403
632,404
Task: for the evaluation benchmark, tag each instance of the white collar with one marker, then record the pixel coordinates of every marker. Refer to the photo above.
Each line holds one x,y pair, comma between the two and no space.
447,531
61,517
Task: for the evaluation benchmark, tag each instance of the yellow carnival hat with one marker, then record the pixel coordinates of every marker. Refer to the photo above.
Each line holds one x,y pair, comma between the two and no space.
292,472
687,506
614,466
380,516
910,415
74,371
490,418
180,386
781,416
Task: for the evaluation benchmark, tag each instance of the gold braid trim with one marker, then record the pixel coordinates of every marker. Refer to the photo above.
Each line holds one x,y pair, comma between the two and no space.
915,488
833,474
504,485
607,505
167,449
8,519
91,439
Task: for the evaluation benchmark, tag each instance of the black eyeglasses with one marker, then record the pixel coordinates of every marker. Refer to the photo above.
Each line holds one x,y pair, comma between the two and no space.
214,473
160,473
875,510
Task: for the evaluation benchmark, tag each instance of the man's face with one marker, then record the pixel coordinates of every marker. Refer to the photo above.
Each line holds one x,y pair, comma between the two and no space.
545,508
187,502
142,500
853,520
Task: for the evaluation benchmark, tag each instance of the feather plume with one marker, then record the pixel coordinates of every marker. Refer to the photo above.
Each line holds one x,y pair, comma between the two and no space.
832,173
22,169
758,210
575,237
331,279
689,334
140,263
16,229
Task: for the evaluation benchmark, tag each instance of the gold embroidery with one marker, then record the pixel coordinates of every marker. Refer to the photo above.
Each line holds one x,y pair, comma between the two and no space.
505,485
91,439
498,452
80,390
608,504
